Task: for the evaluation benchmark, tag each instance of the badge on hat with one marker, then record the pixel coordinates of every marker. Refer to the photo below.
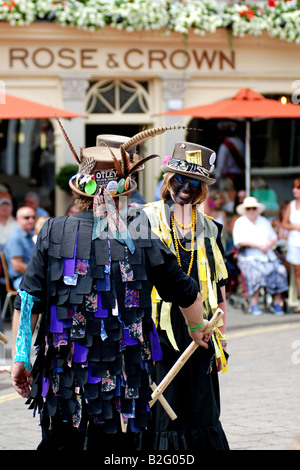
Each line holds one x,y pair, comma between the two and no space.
192,160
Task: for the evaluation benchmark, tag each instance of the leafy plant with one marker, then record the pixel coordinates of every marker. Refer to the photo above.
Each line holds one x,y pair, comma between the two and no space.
65,173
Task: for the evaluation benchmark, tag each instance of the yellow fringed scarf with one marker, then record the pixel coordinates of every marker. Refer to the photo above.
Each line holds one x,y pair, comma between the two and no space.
208,281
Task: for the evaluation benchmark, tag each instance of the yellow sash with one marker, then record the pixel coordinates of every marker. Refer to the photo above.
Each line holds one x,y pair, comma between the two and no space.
207,280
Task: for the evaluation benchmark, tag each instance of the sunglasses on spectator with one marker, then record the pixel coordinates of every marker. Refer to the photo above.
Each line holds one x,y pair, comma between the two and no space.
27,217
251,208
183,180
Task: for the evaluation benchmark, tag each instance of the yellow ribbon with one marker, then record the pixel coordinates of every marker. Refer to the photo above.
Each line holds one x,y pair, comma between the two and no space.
165,323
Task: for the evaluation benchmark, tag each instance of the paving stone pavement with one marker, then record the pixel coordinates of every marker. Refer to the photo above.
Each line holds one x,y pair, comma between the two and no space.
260,398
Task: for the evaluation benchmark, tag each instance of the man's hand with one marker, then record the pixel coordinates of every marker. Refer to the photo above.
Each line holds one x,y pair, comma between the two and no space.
21,379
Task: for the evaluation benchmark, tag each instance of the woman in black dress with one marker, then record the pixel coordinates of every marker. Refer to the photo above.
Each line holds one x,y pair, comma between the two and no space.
196,240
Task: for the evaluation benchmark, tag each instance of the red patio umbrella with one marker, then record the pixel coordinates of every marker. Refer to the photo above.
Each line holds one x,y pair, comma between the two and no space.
13,107
246,104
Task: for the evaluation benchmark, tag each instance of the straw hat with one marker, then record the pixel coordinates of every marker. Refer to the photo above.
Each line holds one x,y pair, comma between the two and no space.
193,161
250,201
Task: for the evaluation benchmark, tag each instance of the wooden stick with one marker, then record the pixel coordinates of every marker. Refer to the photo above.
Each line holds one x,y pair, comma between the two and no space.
164,403
183,358
3,338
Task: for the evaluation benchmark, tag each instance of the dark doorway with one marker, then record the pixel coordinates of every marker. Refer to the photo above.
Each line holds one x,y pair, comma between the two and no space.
92,130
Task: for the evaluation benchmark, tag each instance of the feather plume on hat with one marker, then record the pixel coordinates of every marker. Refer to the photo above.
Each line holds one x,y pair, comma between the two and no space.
91,159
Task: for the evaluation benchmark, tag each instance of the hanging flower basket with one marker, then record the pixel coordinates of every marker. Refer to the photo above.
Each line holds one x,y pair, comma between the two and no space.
279,18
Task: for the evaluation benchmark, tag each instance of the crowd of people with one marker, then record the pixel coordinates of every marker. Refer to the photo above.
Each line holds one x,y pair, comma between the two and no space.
260,235
19,228
120,292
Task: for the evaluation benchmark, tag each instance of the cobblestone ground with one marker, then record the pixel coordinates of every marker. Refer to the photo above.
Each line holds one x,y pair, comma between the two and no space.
260,392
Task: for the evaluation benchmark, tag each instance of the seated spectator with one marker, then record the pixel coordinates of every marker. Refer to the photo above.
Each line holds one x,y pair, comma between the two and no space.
32,200
255,237
37,227
281,245
267,196
277,223
214,210
240,196
5,193
229,194
19,245
7,222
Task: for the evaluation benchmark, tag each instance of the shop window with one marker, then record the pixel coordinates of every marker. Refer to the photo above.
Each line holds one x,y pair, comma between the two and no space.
123,96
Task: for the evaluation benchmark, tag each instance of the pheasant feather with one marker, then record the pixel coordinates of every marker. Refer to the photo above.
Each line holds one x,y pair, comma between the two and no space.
147,134
86,167
68,140
137,165
117,164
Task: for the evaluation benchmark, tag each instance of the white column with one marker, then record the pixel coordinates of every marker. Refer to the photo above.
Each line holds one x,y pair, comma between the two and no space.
73,95
172,93
173,89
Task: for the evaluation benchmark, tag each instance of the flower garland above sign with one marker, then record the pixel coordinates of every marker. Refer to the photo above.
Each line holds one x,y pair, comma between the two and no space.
279,18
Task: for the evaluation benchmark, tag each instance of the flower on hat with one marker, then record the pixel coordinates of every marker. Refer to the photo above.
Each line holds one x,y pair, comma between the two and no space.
166,159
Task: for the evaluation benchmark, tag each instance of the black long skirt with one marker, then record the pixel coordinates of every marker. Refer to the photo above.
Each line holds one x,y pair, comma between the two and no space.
194,396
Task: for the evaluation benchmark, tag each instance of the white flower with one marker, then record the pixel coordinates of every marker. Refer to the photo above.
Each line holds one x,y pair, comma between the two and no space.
281,21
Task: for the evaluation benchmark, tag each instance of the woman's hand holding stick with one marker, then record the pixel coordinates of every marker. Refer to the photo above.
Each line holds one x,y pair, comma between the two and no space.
183,358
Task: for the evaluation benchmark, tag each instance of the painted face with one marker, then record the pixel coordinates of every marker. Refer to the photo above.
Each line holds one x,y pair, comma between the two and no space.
184,190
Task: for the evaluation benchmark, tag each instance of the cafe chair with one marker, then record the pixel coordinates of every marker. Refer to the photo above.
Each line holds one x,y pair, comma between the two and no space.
10,292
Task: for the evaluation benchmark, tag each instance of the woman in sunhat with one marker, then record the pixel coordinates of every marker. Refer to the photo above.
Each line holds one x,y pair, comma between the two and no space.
196,241
254,235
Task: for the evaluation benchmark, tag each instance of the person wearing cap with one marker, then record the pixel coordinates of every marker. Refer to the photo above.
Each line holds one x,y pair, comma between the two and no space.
255,237
196,240
32,199
7,221
91,278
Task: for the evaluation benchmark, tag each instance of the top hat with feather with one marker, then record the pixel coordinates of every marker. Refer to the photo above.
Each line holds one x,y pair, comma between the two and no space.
111,163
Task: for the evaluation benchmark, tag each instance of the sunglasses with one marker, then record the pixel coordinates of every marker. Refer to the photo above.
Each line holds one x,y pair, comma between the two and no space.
27,217
183,180
251,208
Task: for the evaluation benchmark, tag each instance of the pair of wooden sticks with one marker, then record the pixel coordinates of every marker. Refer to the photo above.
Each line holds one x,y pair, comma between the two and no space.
160,388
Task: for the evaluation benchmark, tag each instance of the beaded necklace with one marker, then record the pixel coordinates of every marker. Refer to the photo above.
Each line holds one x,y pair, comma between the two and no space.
181,225
177,238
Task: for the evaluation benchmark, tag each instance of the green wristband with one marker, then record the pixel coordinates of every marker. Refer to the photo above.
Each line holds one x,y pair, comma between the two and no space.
195,328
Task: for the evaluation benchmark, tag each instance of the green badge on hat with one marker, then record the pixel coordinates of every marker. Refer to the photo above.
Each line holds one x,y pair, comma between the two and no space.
121,185
90,187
